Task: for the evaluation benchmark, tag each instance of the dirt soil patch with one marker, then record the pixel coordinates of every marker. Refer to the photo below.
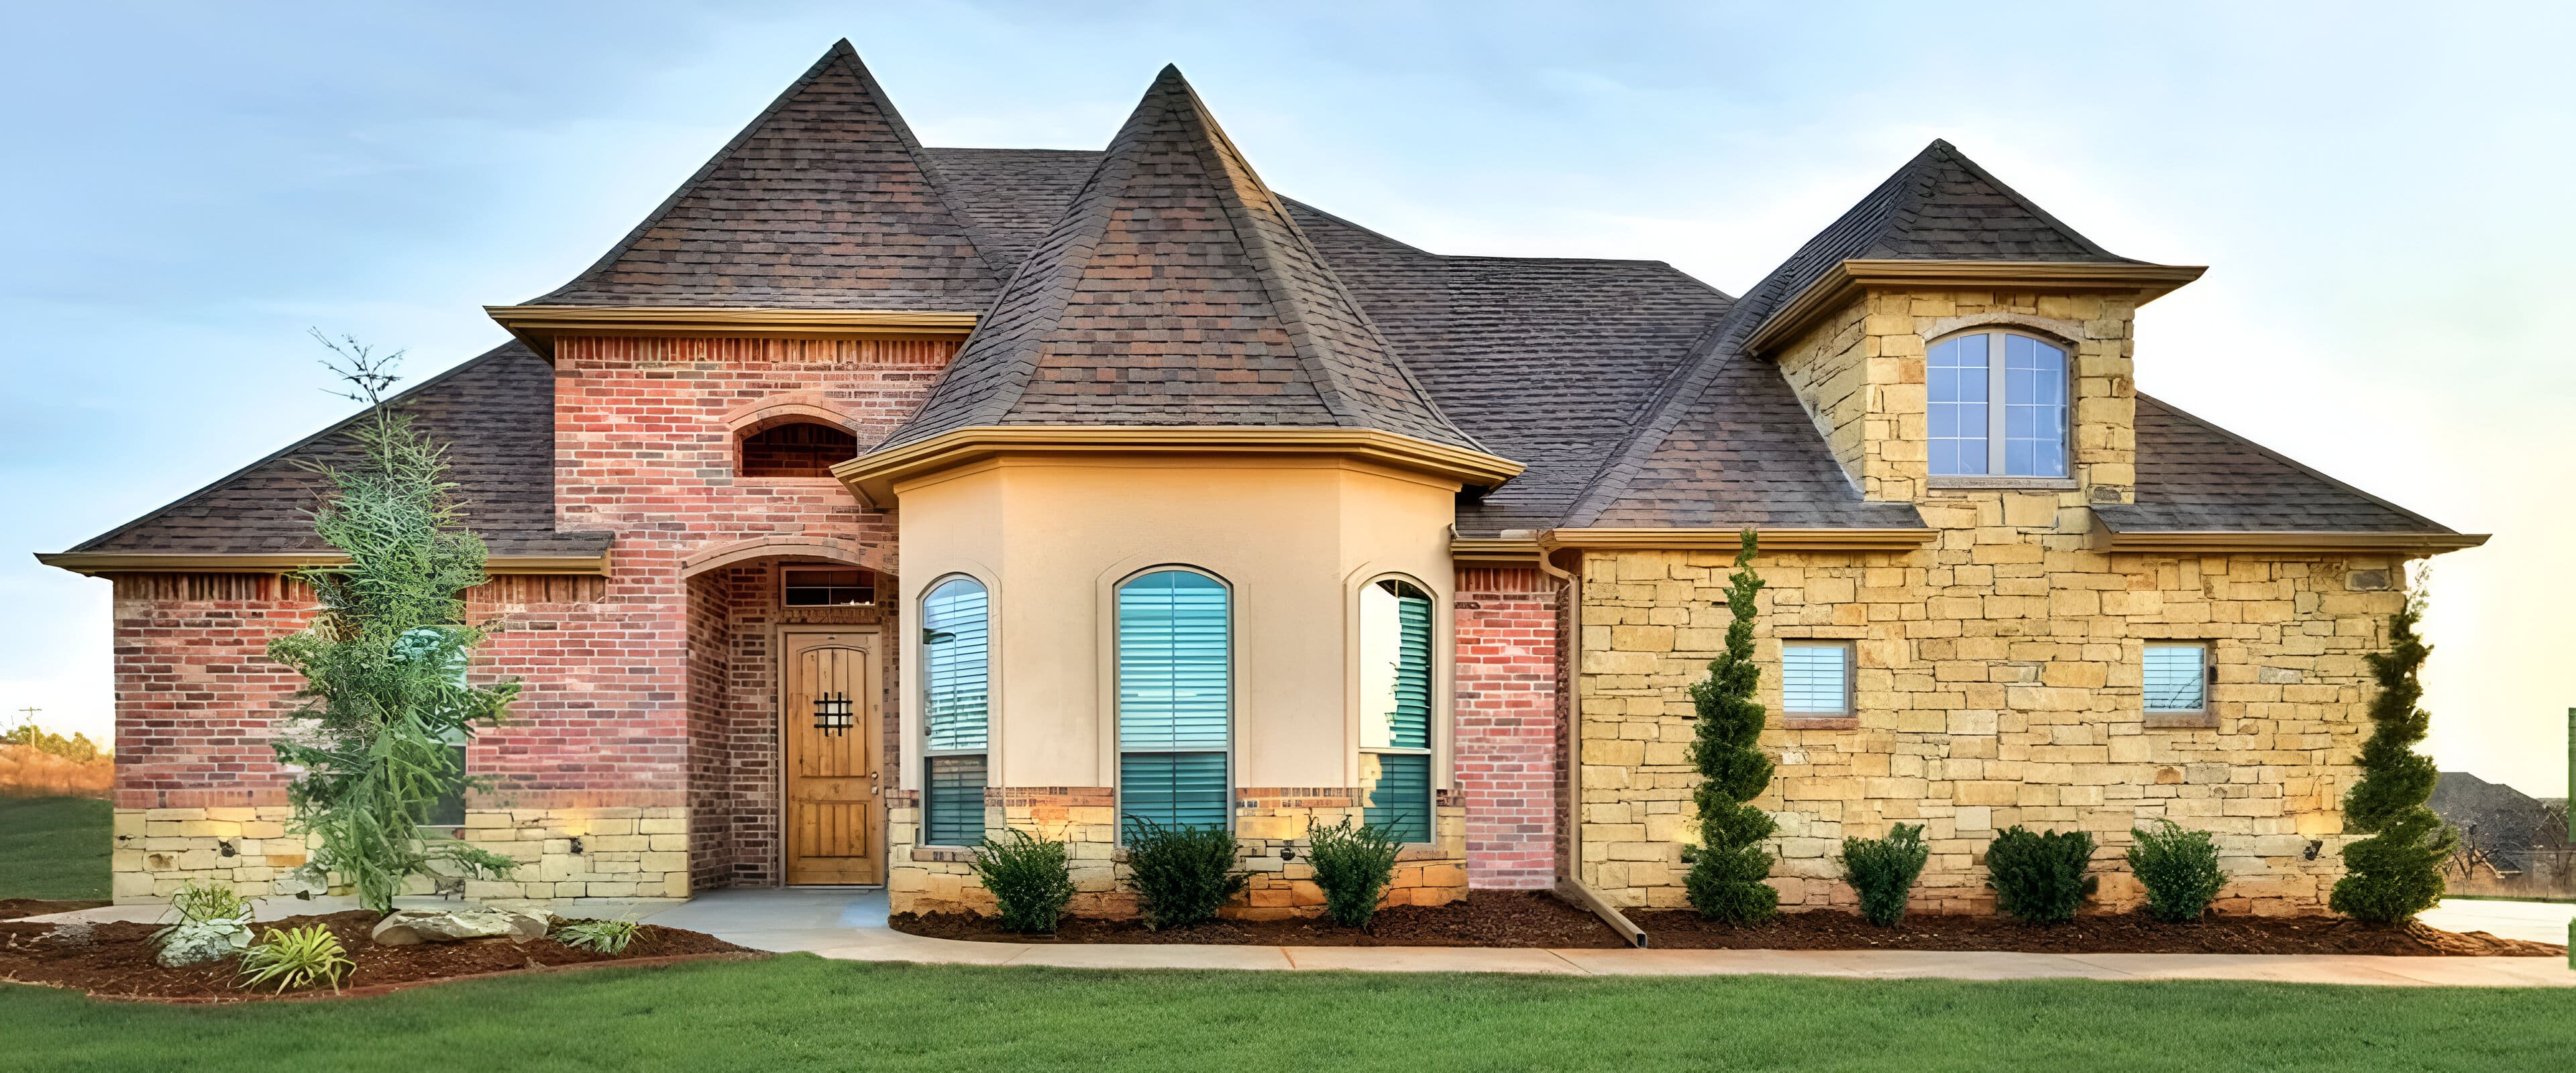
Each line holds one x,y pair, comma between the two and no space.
1486,918
13,908
115,959
2110,933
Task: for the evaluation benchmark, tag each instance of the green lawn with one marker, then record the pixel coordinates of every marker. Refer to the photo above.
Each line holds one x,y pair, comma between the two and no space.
54,847
801,1012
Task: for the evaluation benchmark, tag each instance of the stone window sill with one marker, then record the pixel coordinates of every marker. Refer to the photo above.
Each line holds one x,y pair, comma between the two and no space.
2025,484
2182,720
1820,722
943,853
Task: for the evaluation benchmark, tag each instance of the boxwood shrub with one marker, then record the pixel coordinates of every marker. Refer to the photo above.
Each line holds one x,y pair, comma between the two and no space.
1182,873
2039,876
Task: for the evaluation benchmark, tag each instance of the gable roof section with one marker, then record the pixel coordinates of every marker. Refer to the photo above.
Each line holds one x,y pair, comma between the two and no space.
824,201
2194,476
1177,291
495,413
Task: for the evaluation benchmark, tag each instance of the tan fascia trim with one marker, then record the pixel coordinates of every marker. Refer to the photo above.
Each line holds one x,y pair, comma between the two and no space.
95,563
1526,549
1845,281
2406,544
539,326
873,476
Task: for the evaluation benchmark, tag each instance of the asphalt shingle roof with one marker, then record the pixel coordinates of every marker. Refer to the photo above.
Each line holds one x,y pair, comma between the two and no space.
1162,282
1177,290
495,414
824,201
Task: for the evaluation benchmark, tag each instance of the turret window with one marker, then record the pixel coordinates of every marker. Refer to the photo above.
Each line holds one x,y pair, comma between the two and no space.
1996,406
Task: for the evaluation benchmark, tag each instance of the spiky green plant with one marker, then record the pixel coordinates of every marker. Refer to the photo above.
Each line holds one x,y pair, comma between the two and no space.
610,937
1728,866
200,900
295,957
385,695
2395,871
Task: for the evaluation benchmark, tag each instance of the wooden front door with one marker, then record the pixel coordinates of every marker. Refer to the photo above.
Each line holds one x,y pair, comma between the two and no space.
835,813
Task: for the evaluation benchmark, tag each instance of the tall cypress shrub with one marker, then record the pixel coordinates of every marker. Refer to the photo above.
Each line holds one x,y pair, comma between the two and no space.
1729,864
2396,871
385,698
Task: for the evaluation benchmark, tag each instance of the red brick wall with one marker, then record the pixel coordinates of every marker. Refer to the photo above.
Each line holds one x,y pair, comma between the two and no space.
1505,719
195,691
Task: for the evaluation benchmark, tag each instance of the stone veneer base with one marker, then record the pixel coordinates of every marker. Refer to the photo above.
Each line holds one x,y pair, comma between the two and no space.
626,852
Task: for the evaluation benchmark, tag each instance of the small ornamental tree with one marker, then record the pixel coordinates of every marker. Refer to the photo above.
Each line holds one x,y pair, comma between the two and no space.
1728,866
385,699
2395,871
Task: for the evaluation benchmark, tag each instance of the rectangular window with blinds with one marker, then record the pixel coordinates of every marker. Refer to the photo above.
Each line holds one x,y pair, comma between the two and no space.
2177,678
1816,678
956,684
1395,713
1175,700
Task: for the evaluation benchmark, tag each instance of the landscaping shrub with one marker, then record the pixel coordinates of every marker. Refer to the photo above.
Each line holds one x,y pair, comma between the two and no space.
1883,871
1729,865
610,937
2179,867
2039,876
1354,866
385,699
296,957
1182,874
1028,876
214,924
2396,871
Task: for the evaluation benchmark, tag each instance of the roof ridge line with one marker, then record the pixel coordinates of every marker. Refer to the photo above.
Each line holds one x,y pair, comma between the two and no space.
921,158
2027,204
2284,460
1656,419
1336,395
328,431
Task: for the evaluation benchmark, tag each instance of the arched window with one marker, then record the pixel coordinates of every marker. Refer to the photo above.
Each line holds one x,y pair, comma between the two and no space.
1395,709
956,656
1996,405
1175,700
796,449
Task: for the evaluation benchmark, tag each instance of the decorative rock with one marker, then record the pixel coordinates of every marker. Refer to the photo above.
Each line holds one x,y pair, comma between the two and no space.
407,927
200,941
304,882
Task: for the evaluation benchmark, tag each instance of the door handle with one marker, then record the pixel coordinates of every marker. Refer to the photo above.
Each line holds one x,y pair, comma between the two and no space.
872,783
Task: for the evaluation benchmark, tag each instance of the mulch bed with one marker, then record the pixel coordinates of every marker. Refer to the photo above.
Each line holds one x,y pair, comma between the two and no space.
13,908
114,960
2108,933
1486,918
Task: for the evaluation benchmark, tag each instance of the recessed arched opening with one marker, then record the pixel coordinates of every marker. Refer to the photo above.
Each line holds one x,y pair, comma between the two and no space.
796,449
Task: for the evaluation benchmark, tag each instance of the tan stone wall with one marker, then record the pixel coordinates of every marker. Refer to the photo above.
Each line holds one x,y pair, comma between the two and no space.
626,852
1998,683
1860,375
935,879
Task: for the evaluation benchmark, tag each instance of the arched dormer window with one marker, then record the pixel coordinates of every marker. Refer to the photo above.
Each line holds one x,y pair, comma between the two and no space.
1995,405
796,449
1395,709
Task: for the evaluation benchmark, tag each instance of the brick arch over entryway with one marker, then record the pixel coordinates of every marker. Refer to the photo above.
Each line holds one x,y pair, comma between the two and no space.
826,549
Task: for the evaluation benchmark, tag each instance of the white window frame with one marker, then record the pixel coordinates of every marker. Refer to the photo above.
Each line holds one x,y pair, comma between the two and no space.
2208,679
1998,403
1431,716
1851,675
1233,687
929,753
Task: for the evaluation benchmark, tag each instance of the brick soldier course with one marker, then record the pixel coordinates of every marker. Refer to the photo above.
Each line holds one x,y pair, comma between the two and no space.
1604,429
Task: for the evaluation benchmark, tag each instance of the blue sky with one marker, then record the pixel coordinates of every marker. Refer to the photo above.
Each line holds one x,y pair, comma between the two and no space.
2380,194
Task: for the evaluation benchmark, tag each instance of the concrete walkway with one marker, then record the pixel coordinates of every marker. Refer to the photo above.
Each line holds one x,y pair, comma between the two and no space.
851,925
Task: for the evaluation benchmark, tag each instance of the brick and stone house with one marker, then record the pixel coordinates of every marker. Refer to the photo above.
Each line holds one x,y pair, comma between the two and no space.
870,497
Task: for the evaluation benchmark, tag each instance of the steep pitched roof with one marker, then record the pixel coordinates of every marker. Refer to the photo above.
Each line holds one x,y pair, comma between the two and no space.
1177,290
2194,476
496,415
824,201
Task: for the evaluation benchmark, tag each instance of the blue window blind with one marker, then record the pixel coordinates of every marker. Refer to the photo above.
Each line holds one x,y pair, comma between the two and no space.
1397,788
1955,390
956,660
1815,678
955,657
2034,408
1175,698
2177,680
952,804
1409,725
